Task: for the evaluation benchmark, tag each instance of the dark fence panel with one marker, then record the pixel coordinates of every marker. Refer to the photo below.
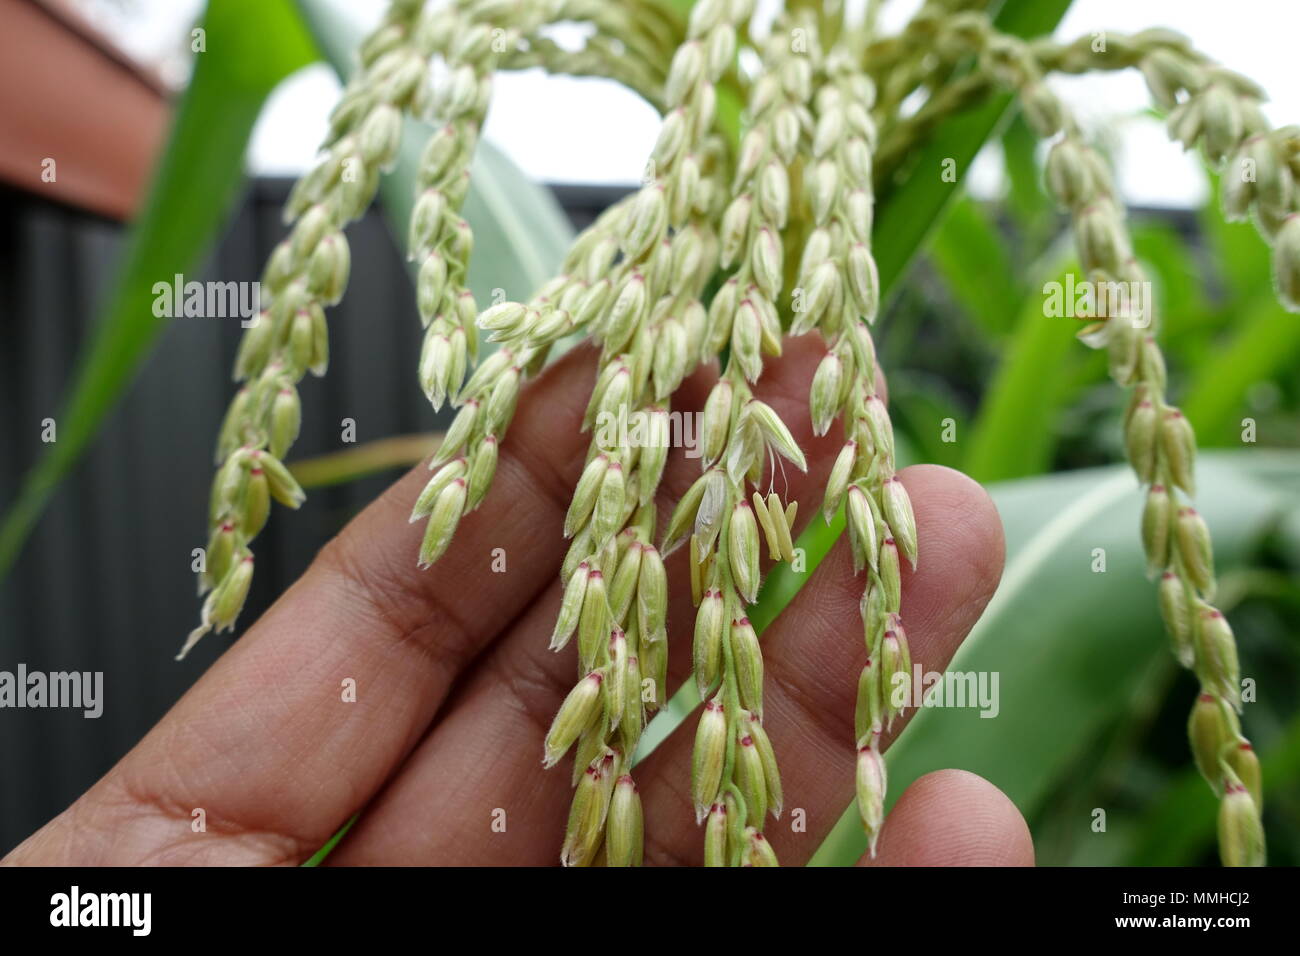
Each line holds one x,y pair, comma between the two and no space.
104,583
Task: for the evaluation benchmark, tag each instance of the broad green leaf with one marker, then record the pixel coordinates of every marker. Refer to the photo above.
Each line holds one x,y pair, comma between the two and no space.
1014,432
251,46
1264,342
971,256
520,232
1180,291
924,409
909,209
1070,645
1237,246
1026,199
1181,822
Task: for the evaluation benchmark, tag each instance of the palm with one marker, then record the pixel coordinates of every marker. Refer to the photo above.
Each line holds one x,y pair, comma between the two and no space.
441,749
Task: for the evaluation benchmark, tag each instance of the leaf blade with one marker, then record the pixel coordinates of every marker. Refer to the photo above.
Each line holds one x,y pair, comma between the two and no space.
1040,633
193,188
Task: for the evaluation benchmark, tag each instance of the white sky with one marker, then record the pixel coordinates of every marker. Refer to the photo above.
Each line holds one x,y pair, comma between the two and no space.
560,129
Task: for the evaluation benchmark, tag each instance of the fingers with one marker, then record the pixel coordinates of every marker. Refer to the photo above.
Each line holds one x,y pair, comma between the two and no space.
953,818
813,653
785,388
268,744
480,771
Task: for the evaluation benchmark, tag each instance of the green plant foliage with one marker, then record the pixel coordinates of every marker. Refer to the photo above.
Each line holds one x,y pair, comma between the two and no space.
253,45
1072,647
1014,434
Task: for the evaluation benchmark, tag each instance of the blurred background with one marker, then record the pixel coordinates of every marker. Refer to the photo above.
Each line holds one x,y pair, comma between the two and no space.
1093,708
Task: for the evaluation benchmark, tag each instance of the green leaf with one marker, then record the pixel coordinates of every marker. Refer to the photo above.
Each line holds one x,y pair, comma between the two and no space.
251,45
1180,281
1014,432
1237,246
919,405
1264,343
319,856
1026,200
971,257
1176,828
520,232
909,209
1070,646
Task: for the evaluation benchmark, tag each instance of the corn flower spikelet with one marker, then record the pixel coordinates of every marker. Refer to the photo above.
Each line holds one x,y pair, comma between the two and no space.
1158,438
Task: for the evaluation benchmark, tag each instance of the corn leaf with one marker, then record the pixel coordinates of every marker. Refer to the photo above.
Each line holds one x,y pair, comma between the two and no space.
1070,646
1264,344
252,45
972,259
908,210
1013,435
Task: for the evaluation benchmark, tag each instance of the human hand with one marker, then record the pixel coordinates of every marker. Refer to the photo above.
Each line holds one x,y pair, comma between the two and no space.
455,687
